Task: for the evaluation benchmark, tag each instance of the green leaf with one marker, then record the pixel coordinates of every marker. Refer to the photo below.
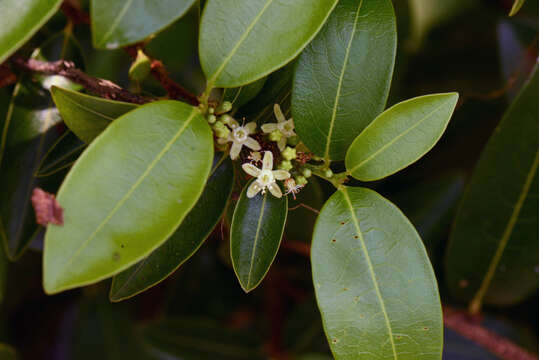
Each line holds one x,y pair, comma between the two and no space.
7,352
516,7
61,155
87,116
255,236
187,239
20,20
494,241
342,79
200,339
31,127
242,28
242,95
400,136
119,23
374,284
128,193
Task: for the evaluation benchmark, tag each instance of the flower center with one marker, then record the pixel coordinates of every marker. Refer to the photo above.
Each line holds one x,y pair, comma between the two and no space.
286,128
266,178
240,135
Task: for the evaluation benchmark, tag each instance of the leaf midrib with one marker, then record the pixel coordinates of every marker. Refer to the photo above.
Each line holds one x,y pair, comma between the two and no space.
83,107
258,226
485,284
133,187
394,140
341,80
243,37
371,270
114,25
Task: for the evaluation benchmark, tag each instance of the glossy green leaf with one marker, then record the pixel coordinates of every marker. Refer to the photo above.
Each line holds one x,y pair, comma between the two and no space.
200,339
342,79
87,116
516,7
244,50
32,125
7,352
494,240
128,193
374,284
187,239
400,136
61,155
242,95
255,236
119,23
20,20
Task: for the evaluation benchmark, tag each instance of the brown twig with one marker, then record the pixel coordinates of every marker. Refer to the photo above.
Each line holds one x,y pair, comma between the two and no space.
101,87
463,324
7,77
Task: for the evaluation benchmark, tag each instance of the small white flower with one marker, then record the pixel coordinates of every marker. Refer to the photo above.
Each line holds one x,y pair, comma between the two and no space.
240,136
285,127
265,177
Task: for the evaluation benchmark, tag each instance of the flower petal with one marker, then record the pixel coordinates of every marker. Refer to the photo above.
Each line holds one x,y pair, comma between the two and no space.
275,190
278,113
250,127
267,162
252,144
281,174
282,143
269,128
251,169
253,189
235,150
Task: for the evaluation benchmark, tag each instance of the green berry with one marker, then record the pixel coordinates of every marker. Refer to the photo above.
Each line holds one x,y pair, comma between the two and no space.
226,119
275,136
307,173
140,68
289,153
293,140
225,107
328,173
301,180
285,165
212,119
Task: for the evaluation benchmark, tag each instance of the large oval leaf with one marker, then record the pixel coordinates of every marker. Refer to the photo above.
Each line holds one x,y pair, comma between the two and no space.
494,252
255,236
342,78
374,284
20,20
127,193
87,116
237,48
400,136
120,23
191,234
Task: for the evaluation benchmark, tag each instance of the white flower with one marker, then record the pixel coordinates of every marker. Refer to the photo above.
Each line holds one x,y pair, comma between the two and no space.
285,127
265,177
240,136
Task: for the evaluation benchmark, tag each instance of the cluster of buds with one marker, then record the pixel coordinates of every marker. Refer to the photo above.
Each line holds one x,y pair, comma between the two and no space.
291,168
